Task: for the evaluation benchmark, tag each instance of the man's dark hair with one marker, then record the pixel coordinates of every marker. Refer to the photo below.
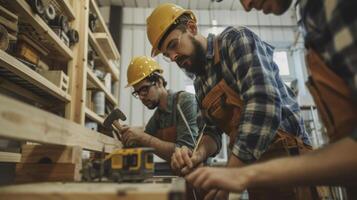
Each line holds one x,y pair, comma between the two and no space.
180,24
155,78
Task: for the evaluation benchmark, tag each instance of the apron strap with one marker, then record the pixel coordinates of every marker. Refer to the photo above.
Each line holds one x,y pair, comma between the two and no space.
174,110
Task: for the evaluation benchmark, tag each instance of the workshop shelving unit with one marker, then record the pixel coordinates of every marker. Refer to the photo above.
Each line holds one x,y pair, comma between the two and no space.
41,111
100,41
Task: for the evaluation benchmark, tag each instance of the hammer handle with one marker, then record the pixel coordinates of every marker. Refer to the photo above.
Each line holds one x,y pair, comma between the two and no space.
117,125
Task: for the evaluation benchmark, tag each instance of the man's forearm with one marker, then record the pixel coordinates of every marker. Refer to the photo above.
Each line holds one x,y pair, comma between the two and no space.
335,164
161,148
234,161
207,147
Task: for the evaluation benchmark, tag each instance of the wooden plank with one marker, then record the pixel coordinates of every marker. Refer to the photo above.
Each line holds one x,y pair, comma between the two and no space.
114,71
9,24
10,157
67,8
41,27
92,78
14,88
7,14
107,45
77,70
20,121
20,69
36,172
93,116
32,153
95,191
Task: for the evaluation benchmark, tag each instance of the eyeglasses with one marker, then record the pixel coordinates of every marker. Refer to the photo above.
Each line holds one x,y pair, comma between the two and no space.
143,91
172,46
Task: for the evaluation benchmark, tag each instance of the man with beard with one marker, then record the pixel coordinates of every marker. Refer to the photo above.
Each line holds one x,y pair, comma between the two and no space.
239,91
166,129
330,32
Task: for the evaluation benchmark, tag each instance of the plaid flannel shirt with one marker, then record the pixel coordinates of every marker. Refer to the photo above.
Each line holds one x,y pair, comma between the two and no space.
247,64
330,28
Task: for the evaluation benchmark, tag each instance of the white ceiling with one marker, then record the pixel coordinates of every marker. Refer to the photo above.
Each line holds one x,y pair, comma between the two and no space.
190,4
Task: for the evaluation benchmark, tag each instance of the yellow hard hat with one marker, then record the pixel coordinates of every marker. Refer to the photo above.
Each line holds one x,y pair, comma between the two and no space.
160,20
141,67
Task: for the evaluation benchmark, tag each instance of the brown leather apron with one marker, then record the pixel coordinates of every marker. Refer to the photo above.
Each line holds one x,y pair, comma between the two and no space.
223,106
169,134
333,99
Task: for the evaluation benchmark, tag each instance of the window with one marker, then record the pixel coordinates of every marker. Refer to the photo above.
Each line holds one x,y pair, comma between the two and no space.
281,59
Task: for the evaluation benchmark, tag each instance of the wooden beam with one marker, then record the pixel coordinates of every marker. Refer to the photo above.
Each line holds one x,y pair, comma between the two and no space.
10,157
37,172
25,11
32,153
93,116
20,121
77,68
95,191
20,69
9,15
9,24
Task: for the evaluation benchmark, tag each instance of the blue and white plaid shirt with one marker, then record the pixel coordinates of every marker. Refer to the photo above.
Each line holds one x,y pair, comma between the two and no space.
247,64
330,28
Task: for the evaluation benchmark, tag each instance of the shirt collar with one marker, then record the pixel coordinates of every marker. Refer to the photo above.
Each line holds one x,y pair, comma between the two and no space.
210,47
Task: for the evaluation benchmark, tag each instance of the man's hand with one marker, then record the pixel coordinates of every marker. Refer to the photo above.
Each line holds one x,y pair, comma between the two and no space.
183,161
131,135
223,179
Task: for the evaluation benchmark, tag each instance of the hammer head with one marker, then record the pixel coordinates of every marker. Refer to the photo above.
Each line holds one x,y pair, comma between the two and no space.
114,115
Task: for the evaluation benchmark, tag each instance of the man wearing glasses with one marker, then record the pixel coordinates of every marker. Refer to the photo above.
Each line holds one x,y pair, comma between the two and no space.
168,128
239,91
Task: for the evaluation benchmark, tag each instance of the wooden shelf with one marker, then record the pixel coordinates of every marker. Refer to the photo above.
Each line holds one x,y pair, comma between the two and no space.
107,44
103,32
101,27
10,157
24,72
67,8
19,121
93,116
96,82
114,71
45,33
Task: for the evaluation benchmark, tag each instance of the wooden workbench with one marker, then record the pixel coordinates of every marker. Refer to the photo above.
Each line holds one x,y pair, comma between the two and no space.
88,191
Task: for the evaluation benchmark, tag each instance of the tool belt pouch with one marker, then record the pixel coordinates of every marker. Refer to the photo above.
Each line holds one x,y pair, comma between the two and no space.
223,106
332,97
285,144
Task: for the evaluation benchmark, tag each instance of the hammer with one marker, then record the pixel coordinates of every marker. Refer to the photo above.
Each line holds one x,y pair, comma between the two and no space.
111,122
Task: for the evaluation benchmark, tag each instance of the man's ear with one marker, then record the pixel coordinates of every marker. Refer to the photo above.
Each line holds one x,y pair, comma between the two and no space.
159,83
192,27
